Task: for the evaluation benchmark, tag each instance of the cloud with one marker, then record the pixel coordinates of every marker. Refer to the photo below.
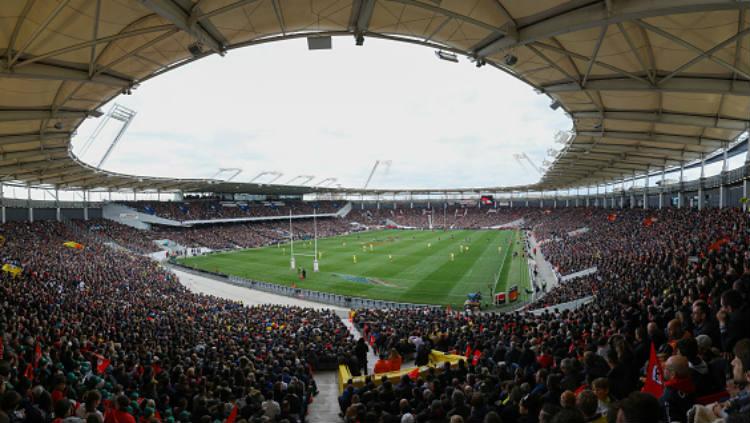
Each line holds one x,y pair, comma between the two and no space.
332,114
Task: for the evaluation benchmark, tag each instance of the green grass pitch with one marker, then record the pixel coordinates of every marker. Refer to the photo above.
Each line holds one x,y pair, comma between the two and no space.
395,265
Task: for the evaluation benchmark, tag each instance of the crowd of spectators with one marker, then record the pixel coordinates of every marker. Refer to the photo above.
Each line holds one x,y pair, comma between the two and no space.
96,334
208,209
675,279
443,216
119,335
214,236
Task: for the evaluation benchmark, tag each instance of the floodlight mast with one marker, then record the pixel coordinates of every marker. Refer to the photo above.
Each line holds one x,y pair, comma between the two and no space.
307,178
236,171
386,163
266,173
326,181
118,113
523,156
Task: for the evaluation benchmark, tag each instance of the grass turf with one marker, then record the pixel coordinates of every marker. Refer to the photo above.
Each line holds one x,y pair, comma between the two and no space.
399,267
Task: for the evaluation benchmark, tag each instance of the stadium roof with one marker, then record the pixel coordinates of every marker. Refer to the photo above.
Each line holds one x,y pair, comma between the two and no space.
647,83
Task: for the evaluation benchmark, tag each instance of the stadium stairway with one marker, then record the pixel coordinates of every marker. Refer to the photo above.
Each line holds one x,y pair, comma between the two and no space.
546,273
325,407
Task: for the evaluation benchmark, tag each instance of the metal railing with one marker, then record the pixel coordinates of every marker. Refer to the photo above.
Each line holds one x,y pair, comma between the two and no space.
345,301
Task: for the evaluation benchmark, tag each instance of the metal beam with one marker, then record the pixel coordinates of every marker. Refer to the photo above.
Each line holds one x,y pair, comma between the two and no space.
41,27
93,43
172,12
359,22
676,84
594,54
616,159
7,115
708,54
652,137
12,170
445,12
669,118
51,177
596,14
222,10
38,153
55,72
593,61
578,149
24,138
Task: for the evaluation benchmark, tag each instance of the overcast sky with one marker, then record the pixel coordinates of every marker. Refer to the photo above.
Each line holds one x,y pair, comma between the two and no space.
280,107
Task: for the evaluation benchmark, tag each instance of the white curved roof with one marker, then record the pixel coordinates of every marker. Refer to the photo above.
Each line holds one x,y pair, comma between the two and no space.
648,83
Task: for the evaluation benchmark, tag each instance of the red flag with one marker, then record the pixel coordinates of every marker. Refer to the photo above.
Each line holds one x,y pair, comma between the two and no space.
37,355
29,372
647,222
716,245
654,375
233,415
580,389
414,374
102,363
475,358
612,217
468,351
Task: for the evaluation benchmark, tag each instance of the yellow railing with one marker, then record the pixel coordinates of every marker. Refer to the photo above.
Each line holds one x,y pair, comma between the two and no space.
437,360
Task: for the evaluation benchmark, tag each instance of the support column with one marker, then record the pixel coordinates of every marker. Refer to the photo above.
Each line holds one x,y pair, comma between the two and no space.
645,191
632,192
2,200
554,201
680,189
58,215
722,188
588,195
31,209
527,197
700,182
511,199
661,191
85,206
541,199
744,180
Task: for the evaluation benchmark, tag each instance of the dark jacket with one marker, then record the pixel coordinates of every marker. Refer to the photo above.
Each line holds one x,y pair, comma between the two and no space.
677,399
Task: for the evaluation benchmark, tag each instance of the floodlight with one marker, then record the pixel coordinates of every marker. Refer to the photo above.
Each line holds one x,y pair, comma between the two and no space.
555,105
196,49
447,56
359,39
510,59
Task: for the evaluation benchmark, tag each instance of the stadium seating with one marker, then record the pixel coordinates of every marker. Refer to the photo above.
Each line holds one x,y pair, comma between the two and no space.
74,320
208,209
89,317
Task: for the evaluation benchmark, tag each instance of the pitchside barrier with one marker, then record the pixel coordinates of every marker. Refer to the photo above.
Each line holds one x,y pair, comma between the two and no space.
437,360
303,294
